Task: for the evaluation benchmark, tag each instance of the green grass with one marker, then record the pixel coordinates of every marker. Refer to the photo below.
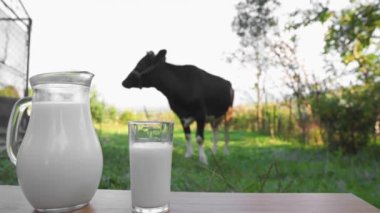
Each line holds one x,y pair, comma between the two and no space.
256,163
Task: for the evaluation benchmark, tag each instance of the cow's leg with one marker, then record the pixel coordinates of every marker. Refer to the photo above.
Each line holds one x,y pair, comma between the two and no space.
189,146
215,137
226,137
227,125
200,140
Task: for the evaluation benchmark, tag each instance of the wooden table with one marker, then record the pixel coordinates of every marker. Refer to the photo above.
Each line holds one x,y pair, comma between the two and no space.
13,201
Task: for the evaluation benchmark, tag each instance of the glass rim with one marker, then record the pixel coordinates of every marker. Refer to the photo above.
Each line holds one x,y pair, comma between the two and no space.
82,78
151,122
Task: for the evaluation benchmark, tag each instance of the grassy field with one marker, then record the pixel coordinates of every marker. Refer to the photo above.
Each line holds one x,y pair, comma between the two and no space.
256,163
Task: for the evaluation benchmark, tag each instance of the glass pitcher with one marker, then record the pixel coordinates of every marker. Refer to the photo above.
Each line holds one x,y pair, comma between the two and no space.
59,163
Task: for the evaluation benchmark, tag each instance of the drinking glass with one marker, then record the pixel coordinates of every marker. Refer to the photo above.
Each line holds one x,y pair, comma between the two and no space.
150,157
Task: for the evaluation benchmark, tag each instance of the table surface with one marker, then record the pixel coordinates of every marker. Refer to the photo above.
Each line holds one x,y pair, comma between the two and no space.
12,200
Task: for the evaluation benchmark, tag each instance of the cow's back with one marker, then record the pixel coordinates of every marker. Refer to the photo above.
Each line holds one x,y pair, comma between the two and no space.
216,93
194,89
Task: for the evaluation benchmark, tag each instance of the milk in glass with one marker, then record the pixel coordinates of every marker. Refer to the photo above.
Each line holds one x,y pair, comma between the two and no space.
150,173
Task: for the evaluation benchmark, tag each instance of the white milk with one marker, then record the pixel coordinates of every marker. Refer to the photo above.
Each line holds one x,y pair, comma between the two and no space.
60,161
150,164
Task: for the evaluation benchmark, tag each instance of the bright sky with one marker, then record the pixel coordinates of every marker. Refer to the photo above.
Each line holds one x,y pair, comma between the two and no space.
108,37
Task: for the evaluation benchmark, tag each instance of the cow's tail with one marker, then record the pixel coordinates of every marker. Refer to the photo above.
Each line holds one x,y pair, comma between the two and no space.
229,114
232,95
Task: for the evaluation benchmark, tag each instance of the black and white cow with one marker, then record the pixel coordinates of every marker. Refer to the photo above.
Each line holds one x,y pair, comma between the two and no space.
193,95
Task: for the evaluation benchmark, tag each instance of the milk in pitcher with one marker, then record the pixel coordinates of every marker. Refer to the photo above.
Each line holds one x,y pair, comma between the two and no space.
59,164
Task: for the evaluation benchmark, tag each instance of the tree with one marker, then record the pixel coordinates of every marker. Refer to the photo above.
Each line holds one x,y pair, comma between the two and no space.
349,114
353,33
255,24
297,80
265,47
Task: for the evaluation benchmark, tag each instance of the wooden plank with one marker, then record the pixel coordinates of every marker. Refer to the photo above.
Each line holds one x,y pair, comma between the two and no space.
115,201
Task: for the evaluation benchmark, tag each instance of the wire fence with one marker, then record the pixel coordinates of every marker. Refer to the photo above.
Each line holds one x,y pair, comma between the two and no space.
15,29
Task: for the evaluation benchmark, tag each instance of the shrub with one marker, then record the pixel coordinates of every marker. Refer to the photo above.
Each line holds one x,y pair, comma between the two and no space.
112,114
126,116
97,107
9,91
347,117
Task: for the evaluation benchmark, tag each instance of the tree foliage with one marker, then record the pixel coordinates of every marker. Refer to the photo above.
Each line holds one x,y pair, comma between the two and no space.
255,24
348,118
255,20
353,32
97,107
349,114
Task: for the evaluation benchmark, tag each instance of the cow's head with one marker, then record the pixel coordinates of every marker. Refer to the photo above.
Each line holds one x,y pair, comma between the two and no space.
144,72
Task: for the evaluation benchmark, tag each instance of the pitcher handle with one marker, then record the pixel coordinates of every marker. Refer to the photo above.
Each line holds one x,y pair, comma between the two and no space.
13,124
